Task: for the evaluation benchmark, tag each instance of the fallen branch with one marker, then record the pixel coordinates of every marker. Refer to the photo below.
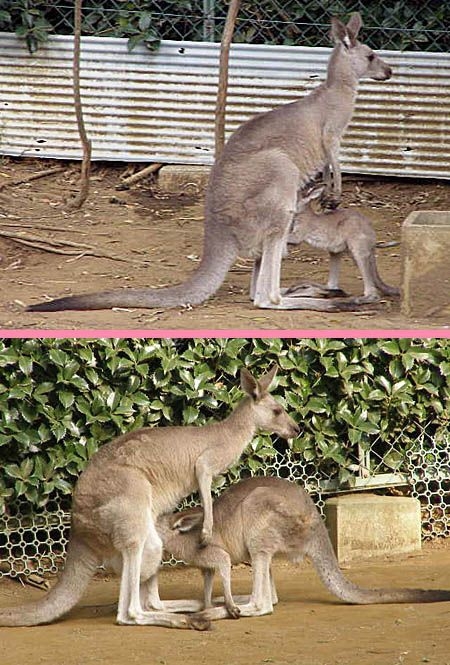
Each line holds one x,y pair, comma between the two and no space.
140,175
34,176
60,247
57,229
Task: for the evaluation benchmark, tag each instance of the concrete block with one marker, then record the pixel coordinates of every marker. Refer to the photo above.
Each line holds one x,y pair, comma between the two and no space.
183,179
426,264
368,525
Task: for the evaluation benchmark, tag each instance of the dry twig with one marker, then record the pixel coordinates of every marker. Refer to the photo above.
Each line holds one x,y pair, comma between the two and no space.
33,176
67,247
140,175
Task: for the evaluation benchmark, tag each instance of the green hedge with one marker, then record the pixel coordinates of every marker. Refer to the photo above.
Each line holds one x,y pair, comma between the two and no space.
61,399
403,25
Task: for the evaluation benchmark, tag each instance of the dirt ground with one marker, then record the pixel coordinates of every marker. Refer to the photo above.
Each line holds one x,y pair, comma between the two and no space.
138,226
308,626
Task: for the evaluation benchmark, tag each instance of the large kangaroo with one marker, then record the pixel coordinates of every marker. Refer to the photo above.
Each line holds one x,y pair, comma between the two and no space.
339,231
253,520
132,480
254,185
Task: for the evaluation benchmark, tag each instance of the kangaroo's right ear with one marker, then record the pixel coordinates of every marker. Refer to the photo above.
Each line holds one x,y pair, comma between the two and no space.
187,522
354,24
265,381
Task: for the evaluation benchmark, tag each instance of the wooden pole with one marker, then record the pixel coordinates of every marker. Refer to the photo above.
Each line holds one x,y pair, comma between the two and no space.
227,36
79,199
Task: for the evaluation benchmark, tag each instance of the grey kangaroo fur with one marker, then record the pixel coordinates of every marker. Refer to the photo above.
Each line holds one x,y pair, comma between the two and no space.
339,231
253,520
254,186
127,484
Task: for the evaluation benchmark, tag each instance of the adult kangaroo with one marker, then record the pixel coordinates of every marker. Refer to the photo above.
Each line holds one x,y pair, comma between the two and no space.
253,520
254,186
132,480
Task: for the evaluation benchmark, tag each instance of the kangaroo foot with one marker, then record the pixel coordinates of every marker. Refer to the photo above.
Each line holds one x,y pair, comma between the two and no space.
181,605
370,298
199,622
233,611
313,304
313,290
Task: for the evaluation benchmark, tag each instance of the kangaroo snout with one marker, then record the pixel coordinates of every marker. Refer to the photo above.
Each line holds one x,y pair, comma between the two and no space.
290,431
385,74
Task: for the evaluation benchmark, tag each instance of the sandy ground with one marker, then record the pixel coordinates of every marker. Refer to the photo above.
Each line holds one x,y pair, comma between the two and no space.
308,626
156,240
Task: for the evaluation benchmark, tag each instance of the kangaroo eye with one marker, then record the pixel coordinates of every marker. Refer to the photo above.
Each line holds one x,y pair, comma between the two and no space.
277,411
371,57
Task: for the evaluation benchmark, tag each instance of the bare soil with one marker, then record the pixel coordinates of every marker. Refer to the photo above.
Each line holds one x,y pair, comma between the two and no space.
156,240
308,626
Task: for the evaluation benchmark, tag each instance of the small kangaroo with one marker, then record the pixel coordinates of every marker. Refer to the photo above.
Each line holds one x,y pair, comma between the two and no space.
132,480
253,520
253,188
339,231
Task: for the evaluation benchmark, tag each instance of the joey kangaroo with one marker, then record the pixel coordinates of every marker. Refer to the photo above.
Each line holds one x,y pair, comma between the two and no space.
253,188
255,519
338,231
132,480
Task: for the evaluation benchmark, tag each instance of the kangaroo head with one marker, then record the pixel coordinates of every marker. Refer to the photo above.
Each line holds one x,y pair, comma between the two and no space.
269,415
307,196
363,61
188,521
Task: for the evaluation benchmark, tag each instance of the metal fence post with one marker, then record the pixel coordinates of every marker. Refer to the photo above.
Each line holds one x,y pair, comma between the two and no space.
208,20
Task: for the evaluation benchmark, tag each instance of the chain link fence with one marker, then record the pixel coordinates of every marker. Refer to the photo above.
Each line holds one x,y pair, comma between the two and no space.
410,25
35,543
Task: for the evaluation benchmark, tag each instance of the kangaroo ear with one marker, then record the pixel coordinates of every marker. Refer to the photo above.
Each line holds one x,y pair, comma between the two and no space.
187,522
340,35
312,194
354,25
265,381
338,30
249,384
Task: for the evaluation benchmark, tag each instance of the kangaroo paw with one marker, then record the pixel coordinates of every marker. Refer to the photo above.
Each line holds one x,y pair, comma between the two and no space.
234,611
199,622
205,539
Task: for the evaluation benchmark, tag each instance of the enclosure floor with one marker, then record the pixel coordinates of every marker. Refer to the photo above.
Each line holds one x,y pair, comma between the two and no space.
308,627
160,240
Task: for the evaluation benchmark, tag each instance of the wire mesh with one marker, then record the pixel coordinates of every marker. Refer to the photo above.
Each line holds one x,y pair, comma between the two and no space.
409,25
35,542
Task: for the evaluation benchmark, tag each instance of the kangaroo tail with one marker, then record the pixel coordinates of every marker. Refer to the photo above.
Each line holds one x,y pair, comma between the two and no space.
79,568
202,284
382,286
321,554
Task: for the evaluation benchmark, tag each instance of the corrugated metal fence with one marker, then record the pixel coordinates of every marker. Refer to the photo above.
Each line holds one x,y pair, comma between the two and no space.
159,107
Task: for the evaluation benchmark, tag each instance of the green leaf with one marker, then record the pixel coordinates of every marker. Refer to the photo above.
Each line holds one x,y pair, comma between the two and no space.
25,365
66,398
190,415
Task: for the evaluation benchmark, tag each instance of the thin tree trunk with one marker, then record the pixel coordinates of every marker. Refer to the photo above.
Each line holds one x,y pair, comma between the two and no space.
227,36
80,198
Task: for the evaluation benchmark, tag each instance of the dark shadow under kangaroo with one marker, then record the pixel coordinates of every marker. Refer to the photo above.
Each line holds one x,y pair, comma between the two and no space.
255,185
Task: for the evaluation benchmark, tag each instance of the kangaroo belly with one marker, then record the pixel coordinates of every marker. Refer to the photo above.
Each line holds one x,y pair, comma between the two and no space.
325,241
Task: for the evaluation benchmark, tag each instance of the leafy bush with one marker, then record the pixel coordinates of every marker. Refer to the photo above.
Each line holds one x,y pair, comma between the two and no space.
404,25
60,399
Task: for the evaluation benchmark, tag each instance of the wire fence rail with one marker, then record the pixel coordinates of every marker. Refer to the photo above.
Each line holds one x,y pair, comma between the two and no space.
410,25
34,542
